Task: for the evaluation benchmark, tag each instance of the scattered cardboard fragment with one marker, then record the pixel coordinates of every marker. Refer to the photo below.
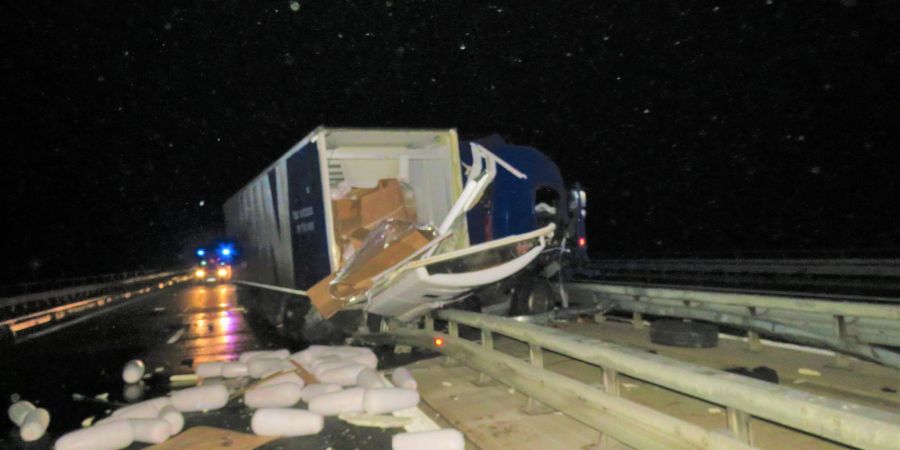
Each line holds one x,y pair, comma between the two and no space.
210,438
809,372
375,420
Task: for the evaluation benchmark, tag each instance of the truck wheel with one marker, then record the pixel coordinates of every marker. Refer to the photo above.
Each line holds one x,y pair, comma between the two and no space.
676,333
532,296
294,319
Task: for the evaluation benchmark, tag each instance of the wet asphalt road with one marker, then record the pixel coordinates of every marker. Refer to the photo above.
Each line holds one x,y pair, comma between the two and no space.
171,331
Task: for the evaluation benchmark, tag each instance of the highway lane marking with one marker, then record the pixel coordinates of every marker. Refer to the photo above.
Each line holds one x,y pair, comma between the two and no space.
175,337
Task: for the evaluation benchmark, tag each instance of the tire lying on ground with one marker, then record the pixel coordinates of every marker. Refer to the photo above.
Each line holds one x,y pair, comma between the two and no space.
676,333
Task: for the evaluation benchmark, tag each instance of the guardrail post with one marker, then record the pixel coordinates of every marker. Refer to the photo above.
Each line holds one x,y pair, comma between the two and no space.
739,424
536,355
453,331
487,341
637,319
753,337
840,332
611,381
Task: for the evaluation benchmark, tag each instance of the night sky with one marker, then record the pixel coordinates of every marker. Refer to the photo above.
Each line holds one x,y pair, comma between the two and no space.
756,128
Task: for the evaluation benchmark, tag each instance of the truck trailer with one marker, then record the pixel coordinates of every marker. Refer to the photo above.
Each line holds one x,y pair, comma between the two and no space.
353,225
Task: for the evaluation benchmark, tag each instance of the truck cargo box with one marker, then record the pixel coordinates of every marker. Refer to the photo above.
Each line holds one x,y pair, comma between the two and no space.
286,226
305,217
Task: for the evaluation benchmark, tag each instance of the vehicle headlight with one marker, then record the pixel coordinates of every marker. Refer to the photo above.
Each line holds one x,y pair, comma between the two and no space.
222,272
200,273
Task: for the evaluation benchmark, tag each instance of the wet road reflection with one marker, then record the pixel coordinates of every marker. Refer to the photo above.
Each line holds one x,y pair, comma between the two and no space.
171,331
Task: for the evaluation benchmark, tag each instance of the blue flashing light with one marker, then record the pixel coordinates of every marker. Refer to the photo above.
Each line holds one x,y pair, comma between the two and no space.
226,251
201,252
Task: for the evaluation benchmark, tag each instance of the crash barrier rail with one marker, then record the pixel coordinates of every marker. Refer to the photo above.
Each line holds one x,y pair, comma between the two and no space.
848,274
11,328
17,289
27,303
857,326
745,399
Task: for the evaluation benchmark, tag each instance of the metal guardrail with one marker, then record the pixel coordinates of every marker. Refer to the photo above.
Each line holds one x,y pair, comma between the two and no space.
636,425
870,268
852,327
11,328
13,290
856,275
26,303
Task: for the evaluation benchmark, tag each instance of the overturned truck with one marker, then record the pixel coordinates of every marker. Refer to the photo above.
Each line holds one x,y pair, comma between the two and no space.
353,225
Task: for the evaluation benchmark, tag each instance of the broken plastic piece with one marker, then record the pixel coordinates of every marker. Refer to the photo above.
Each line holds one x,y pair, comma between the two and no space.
108,436
378,401
280,395
173,417
448,439
19,410
404,379
348,400
210,369
133,371
150,431
286,422
200,398
314,390
35,425
369,379
235,370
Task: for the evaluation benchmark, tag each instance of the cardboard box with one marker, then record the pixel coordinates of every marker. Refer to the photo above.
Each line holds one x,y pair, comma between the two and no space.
357,237
361,280
382,203
321,298
345,208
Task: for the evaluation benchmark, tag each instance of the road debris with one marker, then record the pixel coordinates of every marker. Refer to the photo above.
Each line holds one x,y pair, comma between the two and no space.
447,439
401,377
281,395
19,410
331,381
200,398
386,400
286,422
34,425
375,420
133,371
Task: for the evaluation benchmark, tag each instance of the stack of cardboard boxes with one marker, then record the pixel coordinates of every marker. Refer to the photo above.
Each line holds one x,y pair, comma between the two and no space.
355,216
362,210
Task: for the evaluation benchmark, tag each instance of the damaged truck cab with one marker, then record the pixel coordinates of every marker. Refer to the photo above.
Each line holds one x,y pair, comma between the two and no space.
395,223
